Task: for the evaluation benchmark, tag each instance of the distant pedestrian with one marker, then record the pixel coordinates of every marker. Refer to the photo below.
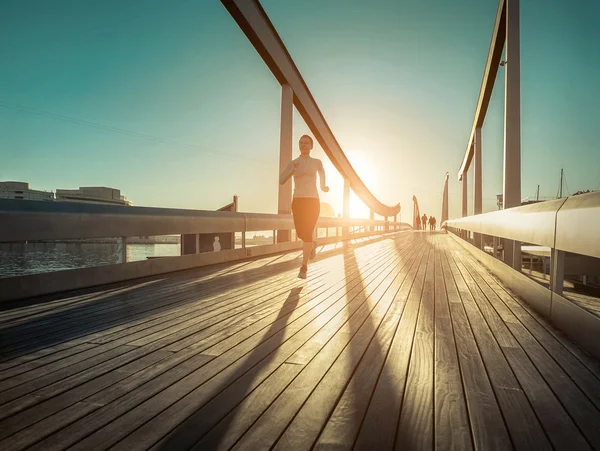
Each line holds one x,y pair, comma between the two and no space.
418,223
434,223
430,223
305,205
424,221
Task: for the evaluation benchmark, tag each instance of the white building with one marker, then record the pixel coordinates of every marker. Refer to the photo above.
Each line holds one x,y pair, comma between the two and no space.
92,194
21,190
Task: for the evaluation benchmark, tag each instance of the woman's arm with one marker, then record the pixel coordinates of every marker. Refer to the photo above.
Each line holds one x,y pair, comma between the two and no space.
322,179
287,172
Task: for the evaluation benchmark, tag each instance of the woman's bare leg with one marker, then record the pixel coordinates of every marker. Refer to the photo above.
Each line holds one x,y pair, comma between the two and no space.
306,250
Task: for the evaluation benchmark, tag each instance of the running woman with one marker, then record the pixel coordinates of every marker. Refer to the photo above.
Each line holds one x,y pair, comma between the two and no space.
306,205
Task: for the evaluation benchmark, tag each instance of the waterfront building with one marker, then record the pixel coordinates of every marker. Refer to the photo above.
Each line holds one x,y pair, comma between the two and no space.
22,191
92,194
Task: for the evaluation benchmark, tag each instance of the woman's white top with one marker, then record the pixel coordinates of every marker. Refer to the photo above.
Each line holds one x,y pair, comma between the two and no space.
305,176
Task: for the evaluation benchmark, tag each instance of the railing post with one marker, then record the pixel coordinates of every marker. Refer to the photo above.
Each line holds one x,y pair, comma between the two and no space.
284,205
557,274
444,201
477,186
465,211
495,243
122,249
346,209
512,126
395,228
372,218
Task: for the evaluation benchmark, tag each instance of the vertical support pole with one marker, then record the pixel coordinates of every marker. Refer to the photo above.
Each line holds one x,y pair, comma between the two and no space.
395,221
477,185
284,202
557,275
372,218
444,201
495,246
346,206
464,212
122,250
274,236
243,240
512,126
464,195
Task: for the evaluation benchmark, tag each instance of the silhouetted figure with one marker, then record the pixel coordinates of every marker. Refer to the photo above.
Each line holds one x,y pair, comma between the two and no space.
430,223
418,223
424,221
434,222
305,205
216,245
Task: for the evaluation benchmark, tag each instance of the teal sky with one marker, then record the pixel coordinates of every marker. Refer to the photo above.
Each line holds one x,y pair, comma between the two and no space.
168,101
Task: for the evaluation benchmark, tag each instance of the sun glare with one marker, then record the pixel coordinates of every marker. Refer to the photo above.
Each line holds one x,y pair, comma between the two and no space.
362,165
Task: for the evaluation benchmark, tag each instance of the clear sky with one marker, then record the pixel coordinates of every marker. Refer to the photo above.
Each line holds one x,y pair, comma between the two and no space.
168,101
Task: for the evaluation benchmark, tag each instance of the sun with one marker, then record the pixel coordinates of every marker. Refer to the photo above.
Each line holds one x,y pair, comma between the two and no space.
363,167
357,208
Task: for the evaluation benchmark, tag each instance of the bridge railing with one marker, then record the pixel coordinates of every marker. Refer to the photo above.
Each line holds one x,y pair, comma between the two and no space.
566,229
26,221
568,225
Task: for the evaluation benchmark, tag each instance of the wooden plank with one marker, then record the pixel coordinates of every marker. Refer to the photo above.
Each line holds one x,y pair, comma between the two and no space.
162,301
157,300
490,334
557,424
380,423
24,419
29,365
579,407
415,427
452,428
64,364
561,430
54,387
330,342
175,282
124,404
310,398
581,367
64,384
487,425
343,425
232,426
198,394
81,418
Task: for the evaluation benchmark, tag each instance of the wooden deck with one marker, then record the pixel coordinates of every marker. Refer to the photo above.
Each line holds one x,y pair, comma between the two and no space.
398,343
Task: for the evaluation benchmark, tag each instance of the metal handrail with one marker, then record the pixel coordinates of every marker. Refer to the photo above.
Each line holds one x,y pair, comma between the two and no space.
569,224
43,220
256,25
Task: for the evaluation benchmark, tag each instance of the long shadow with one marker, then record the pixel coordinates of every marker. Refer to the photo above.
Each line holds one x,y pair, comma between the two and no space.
115,309
109,308
347,411
369,354
208,417
234,389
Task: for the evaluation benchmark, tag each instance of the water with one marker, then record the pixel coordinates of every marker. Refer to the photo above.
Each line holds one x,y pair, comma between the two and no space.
18,259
